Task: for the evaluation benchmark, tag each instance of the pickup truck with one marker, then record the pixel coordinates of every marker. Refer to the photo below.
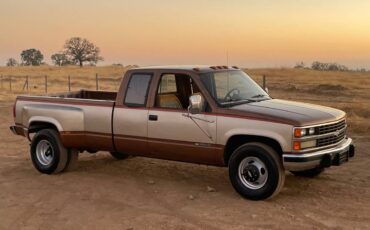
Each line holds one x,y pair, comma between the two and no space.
214,115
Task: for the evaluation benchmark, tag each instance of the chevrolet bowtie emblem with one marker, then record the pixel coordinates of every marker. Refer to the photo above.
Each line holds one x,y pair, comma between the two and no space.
337,133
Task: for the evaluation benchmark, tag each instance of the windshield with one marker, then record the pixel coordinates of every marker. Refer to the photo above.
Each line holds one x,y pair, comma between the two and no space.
232,87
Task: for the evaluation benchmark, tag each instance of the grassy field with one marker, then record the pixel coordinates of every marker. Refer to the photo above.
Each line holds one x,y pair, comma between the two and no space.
349,91
57,78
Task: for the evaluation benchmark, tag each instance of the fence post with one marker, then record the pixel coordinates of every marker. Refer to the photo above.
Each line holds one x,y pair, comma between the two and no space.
97,81
46,84
24,85
28,89
264,81
69,83
10,83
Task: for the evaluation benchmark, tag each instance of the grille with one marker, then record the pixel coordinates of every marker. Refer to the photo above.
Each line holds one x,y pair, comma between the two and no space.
332,127
331,139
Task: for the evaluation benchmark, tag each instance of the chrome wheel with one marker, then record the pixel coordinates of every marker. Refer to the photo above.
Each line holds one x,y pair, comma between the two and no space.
252,173
44,152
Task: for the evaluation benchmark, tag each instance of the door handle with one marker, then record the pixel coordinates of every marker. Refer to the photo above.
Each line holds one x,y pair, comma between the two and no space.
153,117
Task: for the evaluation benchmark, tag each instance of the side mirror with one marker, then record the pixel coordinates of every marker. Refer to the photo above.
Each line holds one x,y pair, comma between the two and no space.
266,90
196,104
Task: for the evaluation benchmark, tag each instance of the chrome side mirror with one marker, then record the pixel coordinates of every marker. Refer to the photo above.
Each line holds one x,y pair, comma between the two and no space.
196,104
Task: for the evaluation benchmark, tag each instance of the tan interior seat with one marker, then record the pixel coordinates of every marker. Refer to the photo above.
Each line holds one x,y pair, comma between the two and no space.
168,101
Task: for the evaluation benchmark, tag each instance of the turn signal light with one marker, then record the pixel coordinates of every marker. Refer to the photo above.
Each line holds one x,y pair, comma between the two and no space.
298,132
296,145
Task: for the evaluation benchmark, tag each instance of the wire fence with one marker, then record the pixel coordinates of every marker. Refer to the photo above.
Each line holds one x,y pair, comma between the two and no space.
41,85
44,84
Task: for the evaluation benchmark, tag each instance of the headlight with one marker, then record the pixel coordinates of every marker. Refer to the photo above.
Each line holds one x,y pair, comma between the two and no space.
311,131
301,132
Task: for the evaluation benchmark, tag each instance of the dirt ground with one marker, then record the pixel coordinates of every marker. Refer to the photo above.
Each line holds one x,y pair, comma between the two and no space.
141,193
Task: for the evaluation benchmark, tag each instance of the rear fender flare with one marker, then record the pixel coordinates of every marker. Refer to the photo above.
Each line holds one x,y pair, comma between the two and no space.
46,120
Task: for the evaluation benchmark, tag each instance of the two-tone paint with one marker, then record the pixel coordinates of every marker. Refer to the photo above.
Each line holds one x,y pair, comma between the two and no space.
110,125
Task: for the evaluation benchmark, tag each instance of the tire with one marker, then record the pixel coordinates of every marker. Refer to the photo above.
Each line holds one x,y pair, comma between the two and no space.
256,171
48,153
309,173
119,156
72,160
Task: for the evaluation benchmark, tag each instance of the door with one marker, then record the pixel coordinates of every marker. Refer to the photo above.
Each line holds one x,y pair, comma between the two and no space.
172,132
130,120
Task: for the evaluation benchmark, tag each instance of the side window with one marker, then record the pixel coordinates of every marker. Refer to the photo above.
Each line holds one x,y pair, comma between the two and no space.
137,90
167,94
167,84
174,91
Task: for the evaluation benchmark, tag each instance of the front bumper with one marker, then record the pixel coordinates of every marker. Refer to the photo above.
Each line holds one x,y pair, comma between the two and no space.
19,130
322,158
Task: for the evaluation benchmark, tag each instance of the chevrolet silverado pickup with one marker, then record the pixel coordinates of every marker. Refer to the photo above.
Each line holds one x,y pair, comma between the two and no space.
215,115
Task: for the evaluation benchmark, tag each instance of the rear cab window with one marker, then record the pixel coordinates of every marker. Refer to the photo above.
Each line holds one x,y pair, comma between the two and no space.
137,90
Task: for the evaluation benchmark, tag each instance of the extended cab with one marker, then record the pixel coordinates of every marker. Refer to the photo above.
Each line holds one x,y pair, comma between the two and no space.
213,115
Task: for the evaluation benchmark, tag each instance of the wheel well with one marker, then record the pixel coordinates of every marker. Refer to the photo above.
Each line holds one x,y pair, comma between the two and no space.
235,141
36,126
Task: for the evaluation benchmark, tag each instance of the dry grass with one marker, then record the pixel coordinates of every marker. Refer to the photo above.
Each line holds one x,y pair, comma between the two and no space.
349,91
109,79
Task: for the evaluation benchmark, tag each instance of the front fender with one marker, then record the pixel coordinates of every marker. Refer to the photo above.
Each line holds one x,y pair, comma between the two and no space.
285,145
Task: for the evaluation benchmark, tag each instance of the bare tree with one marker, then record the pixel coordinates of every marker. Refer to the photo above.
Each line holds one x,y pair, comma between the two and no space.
11,62
32,57
80,50
61,59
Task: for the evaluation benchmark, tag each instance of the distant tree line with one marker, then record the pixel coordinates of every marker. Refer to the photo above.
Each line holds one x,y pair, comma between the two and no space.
76,51
328,66
29,57
322,66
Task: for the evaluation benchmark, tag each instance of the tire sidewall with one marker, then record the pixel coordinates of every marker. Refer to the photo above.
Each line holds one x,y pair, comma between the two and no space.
272,166
119,155
48,136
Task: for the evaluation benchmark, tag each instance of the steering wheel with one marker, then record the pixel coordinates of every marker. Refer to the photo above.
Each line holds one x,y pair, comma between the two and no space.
231,94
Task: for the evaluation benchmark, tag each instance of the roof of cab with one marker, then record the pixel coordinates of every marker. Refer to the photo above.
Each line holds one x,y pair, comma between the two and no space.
195,68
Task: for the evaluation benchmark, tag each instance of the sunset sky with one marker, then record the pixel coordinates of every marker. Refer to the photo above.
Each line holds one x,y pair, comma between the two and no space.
258,33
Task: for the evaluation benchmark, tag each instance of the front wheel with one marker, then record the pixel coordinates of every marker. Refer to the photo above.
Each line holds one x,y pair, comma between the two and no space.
256,171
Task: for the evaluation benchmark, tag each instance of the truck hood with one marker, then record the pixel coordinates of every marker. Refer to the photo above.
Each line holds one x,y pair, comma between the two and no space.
295,113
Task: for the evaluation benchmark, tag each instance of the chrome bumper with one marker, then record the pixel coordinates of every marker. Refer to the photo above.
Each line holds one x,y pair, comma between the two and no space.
13,129
19,130
322,158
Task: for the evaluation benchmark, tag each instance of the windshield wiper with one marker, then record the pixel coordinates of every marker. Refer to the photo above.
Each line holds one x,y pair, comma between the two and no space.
259,95
263,97
237,102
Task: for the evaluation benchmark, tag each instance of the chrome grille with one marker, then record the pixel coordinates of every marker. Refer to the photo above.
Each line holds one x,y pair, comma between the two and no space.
331,139
331,127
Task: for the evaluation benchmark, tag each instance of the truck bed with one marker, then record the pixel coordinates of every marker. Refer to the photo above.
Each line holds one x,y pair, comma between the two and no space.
83,118
88,94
